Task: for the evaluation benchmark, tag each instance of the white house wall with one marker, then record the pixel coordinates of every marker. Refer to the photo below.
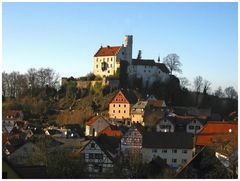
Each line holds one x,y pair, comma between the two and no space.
148,155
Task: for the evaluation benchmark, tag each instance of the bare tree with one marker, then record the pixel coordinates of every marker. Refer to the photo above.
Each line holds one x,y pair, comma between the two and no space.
206,86
231,93
198,84
173,63
184,82
219,93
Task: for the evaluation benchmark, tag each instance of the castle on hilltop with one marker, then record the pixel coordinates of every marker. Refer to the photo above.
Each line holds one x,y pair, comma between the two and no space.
107,61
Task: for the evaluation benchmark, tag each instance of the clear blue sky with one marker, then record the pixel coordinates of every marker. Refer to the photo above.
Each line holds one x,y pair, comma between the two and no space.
65,36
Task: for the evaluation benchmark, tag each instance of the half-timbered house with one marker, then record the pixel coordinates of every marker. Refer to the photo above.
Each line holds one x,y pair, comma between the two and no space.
132,139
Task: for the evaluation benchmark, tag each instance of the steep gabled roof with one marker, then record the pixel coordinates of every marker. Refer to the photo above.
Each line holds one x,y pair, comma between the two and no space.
107,51
163,67
215,130
128,95
167,140
93,119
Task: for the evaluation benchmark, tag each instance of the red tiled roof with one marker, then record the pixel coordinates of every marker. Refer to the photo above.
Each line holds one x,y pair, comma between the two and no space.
109,132
107,51
92,120
216,130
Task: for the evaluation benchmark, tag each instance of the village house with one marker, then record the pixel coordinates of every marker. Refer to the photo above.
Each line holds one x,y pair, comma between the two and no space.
175,123
175,149
95,125
10,119
165,125
132,139
121,104
100,154
138,112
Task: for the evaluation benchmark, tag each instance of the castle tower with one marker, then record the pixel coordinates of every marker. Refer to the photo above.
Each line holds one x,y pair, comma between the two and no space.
128,42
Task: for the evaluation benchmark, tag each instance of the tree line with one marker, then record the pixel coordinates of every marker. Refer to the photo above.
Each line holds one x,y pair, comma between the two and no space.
15,84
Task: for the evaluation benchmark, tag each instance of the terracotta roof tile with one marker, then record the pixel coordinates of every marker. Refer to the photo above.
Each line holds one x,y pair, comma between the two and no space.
107,51
92,120
215,130
110,132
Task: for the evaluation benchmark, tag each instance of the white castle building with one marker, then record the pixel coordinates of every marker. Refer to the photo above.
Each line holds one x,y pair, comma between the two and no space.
107,62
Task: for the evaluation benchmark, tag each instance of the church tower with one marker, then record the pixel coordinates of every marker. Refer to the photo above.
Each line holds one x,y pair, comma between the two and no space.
128,42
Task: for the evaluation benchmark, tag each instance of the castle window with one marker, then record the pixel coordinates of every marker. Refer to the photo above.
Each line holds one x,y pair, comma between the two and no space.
111,65
107,59
97,59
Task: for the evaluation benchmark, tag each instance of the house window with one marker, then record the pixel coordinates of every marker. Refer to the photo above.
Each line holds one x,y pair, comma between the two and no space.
154,150
124,105
113,105
144,70
119,111
191,127
164,151
99,156
197,127
113,111
107,59
103,59
174,151
108,71
91,156
97,59
111,60
111,65
124,111
184,160
92,145
174,160
184,151
96,66
119,105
